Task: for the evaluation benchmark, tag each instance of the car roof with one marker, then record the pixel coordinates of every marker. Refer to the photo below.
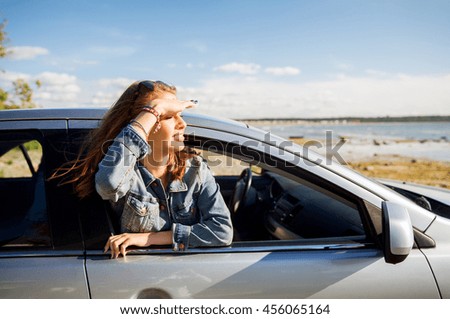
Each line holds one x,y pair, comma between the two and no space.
47,114
97,114
62,118
52,114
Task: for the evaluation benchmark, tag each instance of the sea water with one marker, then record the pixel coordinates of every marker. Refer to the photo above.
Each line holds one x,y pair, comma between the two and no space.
418,131
428,140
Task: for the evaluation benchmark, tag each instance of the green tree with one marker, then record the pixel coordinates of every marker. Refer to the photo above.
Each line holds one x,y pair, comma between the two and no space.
21,96
3,39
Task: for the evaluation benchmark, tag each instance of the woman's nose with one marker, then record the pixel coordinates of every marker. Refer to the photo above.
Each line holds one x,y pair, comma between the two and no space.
181,124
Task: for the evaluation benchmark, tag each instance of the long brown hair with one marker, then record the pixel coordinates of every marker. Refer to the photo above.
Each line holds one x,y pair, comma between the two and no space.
81,172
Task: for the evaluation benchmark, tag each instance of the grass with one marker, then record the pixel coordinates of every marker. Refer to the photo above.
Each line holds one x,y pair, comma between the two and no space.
425,172
13,164
420,171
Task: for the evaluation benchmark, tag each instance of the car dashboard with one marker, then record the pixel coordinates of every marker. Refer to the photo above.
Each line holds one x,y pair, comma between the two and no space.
294,210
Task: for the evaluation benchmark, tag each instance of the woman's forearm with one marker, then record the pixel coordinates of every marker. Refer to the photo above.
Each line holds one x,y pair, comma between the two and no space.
160,238
118,243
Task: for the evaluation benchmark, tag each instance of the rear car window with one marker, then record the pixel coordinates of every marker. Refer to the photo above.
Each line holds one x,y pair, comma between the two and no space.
23,216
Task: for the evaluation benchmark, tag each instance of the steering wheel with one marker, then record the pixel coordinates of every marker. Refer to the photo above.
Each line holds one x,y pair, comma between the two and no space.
240,190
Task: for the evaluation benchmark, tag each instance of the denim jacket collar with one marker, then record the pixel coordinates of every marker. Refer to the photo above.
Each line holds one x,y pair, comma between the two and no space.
177,186
174,187
147,177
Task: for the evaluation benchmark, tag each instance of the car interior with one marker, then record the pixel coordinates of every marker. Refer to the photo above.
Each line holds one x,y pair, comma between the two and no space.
267,204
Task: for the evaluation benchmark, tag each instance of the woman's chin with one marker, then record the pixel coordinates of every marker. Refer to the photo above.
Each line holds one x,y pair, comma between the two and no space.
177,145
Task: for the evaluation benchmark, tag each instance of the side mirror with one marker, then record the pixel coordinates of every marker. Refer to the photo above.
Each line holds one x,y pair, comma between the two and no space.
398,237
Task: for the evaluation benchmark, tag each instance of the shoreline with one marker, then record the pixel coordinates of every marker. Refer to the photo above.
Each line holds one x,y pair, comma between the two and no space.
347,120
351,149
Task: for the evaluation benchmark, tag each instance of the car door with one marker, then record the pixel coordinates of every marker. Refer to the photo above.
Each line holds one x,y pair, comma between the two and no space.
41,254
329,263
245,272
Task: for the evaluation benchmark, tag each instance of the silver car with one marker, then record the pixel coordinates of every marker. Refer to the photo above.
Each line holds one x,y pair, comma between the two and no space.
305,227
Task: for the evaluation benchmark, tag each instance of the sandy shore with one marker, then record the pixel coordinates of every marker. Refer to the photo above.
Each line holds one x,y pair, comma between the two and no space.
411,161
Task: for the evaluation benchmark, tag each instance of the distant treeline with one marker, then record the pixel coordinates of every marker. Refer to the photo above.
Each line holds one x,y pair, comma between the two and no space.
430,118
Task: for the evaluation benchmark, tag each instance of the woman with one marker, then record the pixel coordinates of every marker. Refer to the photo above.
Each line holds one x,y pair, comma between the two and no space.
137,161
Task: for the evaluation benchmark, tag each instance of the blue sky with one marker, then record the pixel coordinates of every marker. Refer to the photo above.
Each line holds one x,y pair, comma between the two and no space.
240,59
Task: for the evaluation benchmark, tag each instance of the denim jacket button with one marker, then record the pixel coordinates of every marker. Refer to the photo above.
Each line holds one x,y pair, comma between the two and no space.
162,207
154,184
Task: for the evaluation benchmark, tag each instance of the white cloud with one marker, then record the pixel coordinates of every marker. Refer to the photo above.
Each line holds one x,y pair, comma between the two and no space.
109,90
251,97
252,68
376,73
344,66
102,98
7,77
84,62
115,83
242,68
195,66
26,52
70,64
393,95
279,71
57,90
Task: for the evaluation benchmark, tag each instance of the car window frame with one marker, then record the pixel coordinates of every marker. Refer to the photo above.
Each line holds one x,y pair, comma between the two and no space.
370,240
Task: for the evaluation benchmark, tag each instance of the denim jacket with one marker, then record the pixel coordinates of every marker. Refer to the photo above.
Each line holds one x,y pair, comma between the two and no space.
192,207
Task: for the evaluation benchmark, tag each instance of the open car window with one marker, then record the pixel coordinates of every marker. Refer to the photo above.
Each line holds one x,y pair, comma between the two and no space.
282,206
